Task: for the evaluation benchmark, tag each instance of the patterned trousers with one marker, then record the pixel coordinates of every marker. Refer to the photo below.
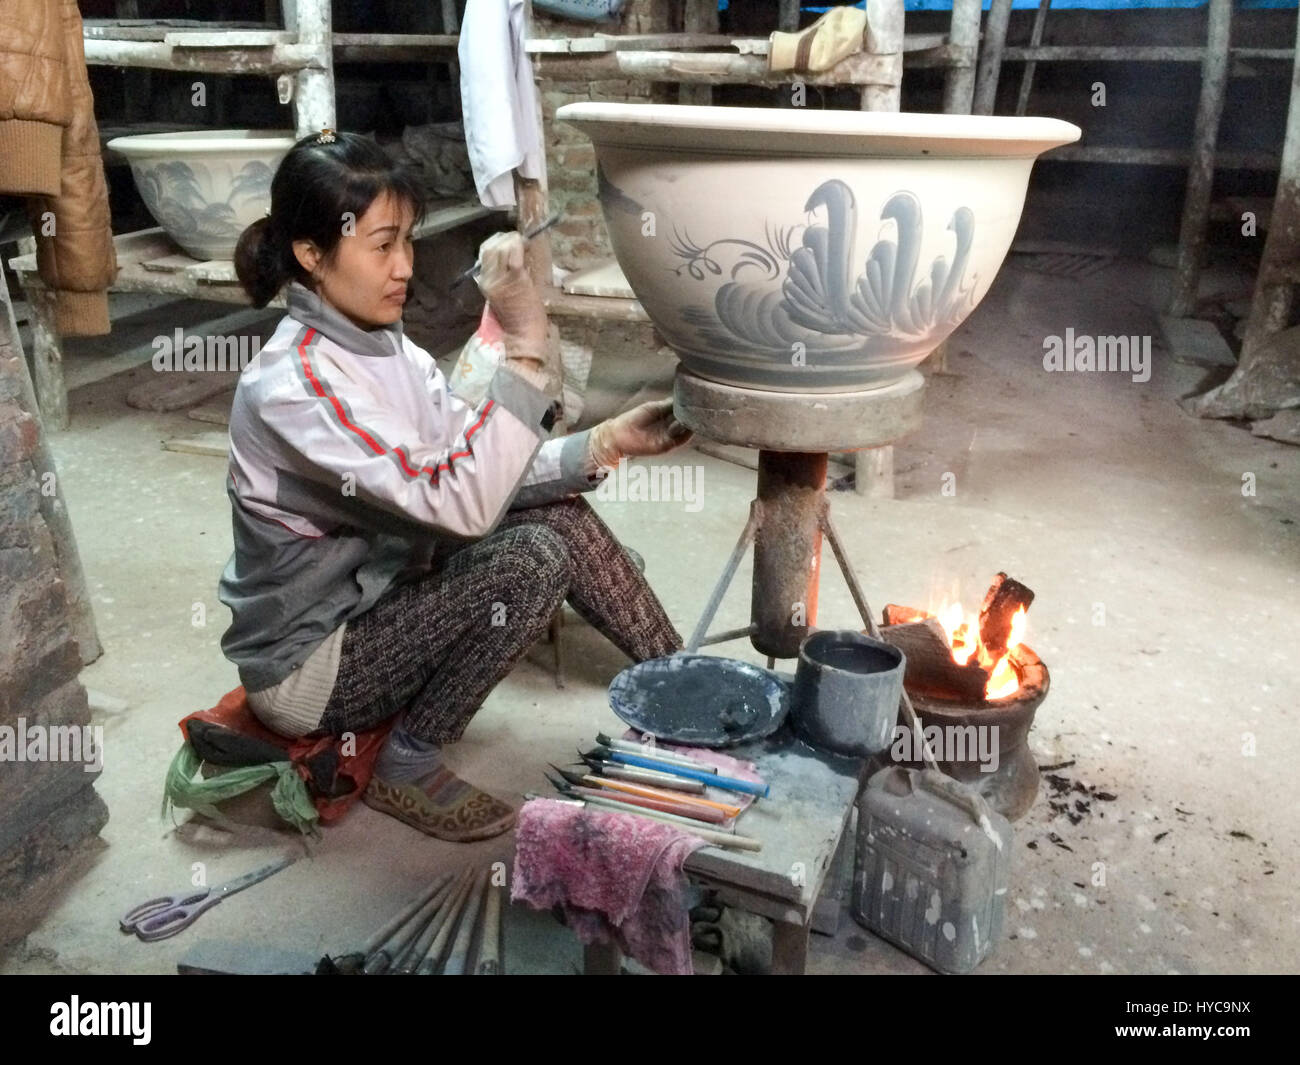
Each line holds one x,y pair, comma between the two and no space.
436,646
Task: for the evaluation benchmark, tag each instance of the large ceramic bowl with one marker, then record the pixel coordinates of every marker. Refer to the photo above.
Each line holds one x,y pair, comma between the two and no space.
809,251
205,187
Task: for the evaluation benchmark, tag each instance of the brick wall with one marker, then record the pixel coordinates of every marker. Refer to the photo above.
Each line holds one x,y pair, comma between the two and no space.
580,239
51,811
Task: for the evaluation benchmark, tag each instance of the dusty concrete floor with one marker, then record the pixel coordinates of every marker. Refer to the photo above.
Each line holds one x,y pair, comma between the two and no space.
1091,488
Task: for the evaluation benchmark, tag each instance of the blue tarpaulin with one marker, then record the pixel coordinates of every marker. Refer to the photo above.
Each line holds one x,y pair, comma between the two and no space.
1064,5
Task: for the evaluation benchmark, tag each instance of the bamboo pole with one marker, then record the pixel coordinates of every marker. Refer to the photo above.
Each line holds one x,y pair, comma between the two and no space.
1200,176
1027,75
990,61
963,34
459,957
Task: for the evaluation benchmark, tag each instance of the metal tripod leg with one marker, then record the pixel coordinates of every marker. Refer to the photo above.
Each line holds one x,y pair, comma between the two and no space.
860,601
720,589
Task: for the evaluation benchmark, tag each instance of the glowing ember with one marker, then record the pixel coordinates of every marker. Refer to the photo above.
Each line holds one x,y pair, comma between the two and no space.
963,637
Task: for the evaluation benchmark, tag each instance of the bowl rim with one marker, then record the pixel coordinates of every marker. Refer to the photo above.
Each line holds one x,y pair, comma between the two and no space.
203,141
804,132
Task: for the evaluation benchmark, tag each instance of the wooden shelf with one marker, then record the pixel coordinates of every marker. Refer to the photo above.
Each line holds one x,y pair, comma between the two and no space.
611,308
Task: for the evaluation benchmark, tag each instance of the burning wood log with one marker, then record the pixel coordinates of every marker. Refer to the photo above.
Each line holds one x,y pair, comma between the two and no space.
893,614
931,669
1004,597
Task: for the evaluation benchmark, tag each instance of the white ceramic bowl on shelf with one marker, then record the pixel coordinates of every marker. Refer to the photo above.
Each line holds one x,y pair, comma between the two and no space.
809,251
205,187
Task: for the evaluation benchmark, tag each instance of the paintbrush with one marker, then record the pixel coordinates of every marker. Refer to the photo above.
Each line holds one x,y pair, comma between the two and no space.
537,230
715,779
647,792
588,785
643,776
717,839
648,751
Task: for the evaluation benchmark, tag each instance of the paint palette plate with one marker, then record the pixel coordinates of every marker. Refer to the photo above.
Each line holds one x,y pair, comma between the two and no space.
703,700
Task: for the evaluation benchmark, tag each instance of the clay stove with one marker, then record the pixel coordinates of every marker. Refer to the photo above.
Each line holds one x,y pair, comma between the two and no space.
975,687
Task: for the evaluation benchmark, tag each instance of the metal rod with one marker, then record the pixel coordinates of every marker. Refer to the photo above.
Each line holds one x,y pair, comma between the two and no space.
729,634
720,589
873,630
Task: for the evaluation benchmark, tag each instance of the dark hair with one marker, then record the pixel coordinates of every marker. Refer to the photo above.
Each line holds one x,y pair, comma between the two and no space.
317,184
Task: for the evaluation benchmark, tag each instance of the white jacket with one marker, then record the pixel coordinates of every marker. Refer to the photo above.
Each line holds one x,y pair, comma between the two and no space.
350,463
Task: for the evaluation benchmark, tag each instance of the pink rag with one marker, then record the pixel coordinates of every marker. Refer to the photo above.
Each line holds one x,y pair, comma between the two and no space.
614,875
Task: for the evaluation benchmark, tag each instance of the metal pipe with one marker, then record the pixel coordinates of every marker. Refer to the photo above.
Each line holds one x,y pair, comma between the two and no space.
720,589
787,550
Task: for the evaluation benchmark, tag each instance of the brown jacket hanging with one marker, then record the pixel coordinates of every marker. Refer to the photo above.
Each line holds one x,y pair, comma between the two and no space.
49,153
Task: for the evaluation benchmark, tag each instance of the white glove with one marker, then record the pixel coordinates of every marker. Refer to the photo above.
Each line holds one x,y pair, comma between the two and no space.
515,302
650,429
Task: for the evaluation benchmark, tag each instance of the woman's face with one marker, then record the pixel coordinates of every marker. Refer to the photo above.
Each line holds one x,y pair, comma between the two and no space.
367,275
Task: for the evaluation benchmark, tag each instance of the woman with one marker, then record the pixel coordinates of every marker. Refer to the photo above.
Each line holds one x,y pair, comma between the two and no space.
396,550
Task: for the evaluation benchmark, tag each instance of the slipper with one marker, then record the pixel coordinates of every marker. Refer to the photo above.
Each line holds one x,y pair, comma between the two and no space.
443,806
833,37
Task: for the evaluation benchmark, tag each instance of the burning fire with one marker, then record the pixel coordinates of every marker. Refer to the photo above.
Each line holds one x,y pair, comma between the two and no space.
963,637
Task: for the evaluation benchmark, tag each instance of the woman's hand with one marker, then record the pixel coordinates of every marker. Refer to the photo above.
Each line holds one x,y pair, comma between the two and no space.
650,429
516,304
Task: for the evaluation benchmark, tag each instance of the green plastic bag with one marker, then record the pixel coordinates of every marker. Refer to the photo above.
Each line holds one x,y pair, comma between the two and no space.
184,787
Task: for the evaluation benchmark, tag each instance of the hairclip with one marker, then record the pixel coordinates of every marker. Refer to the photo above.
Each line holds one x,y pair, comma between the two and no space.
326,136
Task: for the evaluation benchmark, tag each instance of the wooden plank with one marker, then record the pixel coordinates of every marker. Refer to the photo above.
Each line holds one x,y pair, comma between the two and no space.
604,279
799,824
448,215
213,412
715,68
560,303
214,270
215,443
228,38
175,263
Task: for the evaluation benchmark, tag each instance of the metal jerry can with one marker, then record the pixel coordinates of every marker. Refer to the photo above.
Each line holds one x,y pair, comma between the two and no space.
932,867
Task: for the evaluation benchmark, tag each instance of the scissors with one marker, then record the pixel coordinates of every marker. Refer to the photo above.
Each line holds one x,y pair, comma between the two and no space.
162,917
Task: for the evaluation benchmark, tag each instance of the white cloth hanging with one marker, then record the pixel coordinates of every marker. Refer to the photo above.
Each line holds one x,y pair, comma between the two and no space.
498,99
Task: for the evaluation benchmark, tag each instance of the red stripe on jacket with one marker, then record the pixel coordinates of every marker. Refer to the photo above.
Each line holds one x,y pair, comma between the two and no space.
348,424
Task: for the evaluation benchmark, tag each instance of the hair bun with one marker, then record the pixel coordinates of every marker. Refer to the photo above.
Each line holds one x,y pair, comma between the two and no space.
259,262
